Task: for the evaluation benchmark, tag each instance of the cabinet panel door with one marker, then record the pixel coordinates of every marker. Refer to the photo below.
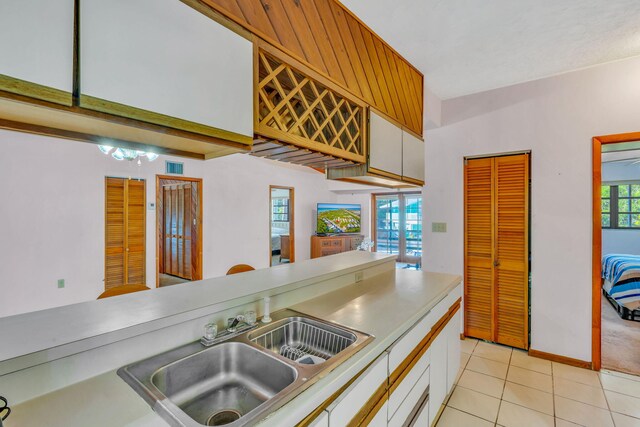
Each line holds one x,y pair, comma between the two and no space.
343,409
164,57
438,370
412,157
403,414
452,331
380,420
385,145
36,41
321,421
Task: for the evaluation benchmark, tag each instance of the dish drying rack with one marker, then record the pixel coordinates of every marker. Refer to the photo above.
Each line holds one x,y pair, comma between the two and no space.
299,339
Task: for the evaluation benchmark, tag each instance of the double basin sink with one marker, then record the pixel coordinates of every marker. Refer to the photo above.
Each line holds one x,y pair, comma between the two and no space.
242,379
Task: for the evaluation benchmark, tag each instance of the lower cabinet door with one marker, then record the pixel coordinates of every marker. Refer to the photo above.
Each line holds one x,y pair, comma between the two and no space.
417,393
380,419
452,331
400,393
422,418
321,421
438,375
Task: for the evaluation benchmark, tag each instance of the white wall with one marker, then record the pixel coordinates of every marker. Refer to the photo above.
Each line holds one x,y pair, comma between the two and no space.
620,241
53,215
555,118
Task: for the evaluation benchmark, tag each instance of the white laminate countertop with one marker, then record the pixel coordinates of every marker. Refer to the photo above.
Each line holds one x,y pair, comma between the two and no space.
386,305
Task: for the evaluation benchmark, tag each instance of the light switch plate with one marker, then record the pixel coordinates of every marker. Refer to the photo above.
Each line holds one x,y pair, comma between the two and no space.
439,227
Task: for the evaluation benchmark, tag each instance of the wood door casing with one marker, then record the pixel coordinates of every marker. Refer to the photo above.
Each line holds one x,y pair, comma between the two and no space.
194,232
177,230
496,203
125,232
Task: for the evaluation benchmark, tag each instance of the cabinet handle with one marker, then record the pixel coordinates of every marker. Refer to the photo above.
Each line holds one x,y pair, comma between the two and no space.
424,400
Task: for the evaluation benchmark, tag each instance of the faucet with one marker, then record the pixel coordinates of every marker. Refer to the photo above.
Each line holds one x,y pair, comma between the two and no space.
233,322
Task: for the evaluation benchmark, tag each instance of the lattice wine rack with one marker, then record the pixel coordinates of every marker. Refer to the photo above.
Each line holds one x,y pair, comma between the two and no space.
297,109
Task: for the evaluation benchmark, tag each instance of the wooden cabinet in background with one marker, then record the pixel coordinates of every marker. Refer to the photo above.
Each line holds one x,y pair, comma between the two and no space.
331,245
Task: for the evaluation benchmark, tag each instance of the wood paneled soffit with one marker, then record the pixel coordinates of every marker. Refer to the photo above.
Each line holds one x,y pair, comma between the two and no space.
328,37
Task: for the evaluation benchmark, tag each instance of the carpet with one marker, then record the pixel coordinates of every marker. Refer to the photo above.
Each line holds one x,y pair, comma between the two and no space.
620,341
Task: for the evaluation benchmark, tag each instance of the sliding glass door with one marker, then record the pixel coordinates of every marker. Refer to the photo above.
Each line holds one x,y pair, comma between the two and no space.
398,225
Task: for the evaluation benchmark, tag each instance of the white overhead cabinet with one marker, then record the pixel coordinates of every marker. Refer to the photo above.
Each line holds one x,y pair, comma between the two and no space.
412,158
163,62
385,146
36,48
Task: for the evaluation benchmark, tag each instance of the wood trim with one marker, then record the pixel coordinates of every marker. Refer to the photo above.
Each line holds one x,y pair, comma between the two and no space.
375,409
560,359
197,273
373,405
110,107
412,180
382,173
395,379
94,139
596,235
292,228
34,90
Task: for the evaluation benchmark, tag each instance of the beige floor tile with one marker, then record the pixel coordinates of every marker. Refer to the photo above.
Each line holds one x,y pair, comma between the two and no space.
579,375
531,379
623,404
620,384
564,423
495,352
582,414
475,403
521,359
528,397
580,392
468,344
482,383
488,367
621,375
464,358
517,416
452,417
625,421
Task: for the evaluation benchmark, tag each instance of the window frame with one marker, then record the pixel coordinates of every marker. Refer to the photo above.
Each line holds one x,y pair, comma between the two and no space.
614,211
285,214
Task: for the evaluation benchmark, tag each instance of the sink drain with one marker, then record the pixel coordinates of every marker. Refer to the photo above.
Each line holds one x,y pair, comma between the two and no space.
226,416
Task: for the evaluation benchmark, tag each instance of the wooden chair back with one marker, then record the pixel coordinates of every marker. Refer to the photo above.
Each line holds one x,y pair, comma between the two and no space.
121,290
239,268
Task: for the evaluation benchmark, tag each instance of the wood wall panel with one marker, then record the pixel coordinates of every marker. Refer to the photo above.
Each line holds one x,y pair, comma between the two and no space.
328,37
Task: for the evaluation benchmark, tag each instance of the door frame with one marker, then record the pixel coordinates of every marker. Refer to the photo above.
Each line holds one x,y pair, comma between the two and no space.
292,228
374,221
198,271
596,255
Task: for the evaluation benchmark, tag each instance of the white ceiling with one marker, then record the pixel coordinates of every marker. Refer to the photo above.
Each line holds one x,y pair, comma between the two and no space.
469,46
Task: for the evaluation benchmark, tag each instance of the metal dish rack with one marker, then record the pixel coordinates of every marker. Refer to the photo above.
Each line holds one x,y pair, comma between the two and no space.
299,338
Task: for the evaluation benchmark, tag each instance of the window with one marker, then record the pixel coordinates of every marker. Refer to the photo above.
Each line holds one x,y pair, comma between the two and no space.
280,210
621,206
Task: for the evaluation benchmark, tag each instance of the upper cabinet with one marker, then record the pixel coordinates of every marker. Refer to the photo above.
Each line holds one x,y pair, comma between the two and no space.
36,44
327,36
163,62
385,147
412,158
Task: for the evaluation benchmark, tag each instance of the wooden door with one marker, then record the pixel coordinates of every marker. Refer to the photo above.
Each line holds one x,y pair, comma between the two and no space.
178,205
125,234
497,249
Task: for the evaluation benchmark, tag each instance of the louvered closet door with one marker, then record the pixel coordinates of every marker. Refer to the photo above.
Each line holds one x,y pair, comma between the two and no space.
496,249
511,228
479,255
125,251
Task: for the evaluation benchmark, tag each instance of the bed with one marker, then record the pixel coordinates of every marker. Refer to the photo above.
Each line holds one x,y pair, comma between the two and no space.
621,283
276,232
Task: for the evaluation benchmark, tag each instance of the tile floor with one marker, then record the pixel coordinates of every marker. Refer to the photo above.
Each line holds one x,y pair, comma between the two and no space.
498,386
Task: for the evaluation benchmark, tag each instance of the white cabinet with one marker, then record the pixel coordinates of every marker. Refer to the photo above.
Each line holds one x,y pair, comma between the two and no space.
452,331
164,57
416,398
36,41
399,395
380,419
438,384
385,145
412,157
321,421
349,403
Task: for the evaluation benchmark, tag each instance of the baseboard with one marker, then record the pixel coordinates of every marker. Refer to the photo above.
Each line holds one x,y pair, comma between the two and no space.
462,336
560,359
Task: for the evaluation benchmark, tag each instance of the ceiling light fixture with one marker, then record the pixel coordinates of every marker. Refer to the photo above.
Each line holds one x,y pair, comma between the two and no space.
127,154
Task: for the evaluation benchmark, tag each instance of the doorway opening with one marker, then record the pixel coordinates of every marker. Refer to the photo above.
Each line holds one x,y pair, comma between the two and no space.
397,230
616,253
281,225
179,230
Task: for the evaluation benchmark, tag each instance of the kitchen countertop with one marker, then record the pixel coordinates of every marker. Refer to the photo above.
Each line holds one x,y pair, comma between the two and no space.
385,306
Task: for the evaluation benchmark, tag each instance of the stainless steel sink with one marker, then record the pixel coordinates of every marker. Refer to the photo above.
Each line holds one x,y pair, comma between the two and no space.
241,380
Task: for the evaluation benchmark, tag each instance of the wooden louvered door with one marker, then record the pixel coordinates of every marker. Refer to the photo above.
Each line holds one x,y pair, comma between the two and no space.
125,234
178,221
497,249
